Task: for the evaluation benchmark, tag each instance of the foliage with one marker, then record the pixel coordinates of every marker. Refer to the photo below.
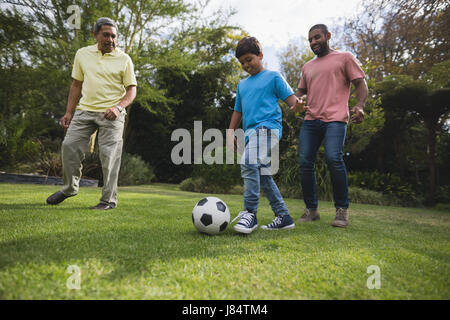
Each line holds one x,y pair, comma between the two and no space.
134,171
388,184
381,34
401,94
15,146
181,61
360,195
214,178
443,194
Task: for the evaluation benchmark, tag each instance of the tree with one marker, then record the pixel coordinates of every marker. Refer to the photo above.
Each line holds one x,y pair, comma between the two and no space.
170,42
416,97
400,37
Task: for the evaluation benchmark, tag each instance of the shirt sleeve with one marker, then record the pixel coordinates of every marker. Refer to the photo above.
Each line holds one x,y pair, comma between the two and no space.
282,89
302,83
77,71
353,68
129,78
237,104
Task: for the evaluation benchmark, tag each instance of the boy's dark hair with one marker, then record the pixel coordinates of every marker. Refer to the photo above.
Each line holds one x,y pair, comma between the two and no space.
248,45
320,26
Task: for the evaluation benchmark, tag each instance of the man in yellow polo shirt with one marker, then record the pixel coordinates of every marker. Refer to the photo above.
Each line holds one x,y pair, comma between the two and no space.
104,84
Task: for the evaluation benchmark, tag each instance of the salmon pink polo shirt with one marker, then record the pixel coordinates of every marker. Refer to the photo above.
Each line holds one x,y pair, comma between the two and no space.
327,82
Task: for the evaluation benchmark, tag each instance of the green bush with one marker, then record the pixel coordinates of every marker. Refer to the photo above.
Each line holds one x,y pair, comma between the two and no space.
288,177
388,184
443,194
200,185
134,171
16,146
359,195
215,178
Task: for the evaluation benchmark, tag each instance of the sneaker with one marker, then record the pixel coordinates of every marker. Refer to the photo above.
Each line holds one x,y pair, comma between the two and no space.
341,219
309,215
280,222
102,206
57,197
247,222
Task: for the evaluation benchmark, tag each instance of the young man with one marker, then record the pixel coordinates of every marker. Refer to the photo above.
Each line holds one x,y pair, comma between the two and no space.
103,85
257,105
326,80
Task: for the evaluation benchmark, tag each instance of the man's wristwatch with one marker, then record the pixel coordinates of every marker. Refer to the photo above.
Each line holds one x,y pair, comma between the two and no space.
119,108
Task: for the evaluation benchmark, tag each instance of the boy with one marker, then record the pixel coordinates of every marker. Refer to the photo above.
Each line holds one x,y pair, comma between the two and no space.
257,105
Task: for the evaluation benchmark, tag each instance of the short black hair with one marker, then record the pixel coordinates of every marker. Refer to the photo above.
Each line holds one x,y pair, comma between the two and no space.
104,22
320,26
248,45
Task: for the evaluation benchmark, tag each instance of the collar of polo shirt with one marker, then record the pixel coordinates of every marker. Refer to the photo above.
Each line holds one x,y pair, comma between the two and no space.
94,48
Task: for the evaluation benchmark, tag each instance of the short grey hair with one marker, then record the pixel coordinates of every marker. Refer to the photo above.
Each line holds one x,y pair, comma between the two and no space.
104,22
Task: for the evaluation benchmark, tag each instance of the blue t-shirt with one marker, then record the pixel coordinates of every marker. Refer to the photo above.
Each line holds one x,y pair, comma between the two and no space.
257,99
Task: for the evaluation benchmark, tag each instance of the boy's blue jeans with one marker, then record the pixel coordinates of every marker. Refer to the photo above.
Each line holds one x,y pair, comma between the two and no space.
255,171
312,133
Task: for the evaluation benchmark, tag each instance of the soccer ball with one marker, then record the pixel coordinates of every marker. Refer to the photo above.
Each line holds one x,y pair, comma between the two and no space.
211,215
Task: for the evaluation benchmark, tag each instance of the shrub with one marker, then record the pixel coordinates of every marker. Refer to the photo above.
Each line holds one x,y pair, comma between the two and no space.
359,195
388,184
288,177
443,194
200,185
134,171
215,178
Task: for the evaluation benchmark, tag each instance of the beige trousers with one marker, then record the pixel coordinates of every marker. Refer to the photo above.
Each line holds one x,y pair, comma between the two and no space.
76,142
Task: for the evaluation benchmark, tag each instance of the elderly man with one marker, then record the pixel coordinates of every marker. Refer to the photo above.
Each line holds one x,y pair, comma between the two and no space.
103,85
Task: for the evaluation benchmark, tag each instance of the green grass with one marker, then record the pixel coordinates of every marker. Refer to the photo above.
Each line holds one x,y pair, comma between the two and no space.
148,248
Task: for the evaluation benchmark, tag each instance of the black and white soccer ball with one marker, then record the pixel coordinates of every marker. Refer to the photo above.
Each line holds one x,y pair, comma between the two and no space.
211,215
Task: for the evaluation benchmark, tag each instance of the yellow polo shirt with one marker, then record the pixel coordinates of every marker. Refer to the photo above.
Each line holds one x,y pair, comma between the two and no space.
104,77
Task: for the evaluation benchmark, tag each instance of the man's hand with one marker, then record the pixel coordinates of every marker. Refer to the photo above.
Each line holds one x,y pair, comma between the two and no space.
300,104
358,115
111,114
65,120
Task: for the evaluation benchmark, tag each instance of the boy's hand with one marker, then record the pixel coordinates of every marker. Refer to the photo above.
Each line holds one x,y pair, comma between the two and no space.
300,104
231,141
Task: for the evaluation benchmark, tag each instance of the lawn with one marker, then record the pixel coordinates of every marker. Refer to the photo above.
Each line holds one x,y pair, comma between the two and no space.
148,248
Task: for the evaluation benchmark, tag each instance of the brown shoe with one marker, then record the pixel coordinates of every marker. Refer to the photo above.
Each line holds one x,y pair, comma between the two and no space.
102,206
341,219
309,215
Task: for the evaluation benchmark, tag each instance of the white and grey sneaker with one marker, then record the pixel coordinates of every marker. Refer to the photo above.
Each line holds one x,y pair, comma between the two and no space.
247,222
281,222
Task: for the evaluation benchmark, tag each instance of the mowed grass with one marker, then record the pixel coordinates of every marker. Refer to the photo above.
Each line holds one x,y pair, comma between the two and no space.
148,248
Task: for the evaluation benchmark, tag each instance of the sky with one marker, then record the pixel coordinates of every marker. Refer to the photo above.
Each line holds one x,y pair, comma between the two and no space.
276,22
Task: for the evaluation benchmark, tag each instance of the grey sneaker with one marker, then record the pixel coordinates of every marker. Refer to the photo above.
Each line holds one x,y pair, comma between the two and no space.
309,215
102,206
341,219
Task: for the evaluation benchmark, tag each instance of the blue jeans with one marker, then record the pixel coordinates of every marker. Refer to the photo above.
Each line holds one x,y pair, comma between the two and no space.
255,172
332,134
